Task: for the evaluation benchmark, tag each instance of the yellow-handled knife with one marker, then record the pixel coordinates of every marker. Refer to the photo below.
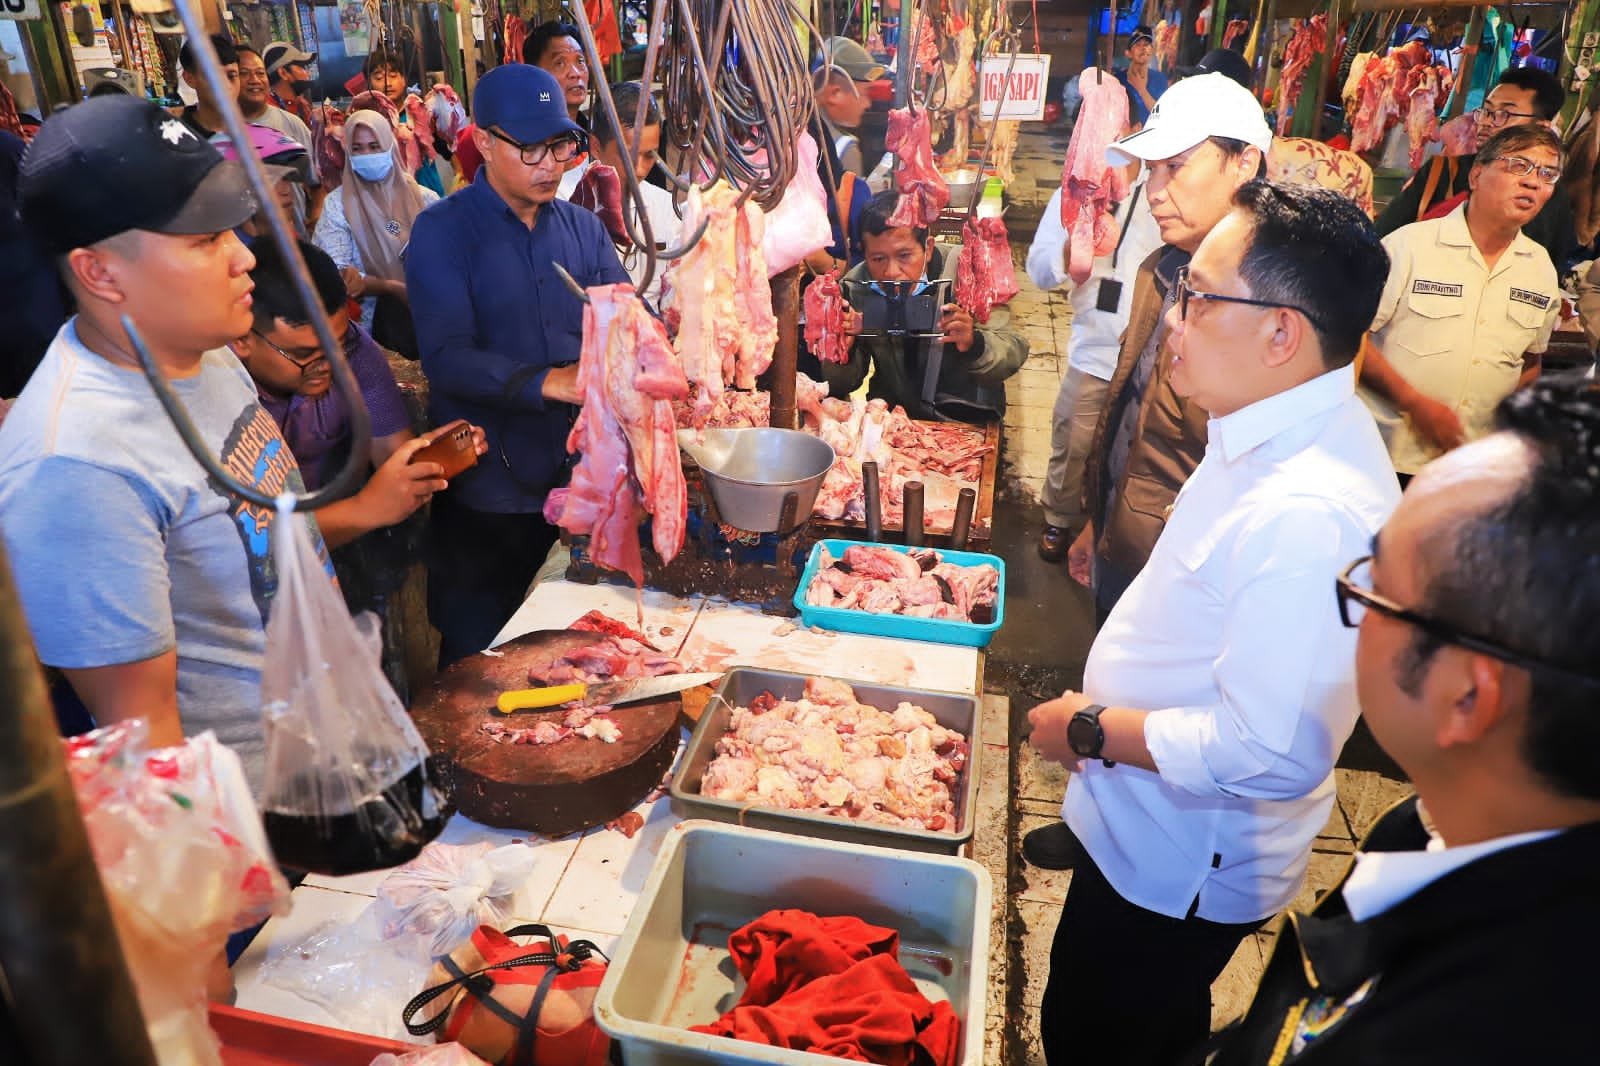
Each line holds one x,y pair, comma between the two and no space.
609,693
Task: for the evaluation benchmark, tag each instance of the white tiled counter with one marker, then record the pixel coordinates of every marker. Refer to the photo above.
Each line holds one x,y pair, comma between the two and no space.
585,885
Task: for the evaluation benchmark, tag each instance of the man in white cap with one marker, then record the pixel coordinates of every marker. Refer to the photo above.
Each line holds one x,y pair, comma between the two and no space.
1205,138
1219,692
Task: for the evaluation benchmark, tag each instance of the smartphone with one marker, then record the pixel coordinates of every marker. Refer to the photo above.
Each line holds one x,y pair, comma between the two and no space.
451,447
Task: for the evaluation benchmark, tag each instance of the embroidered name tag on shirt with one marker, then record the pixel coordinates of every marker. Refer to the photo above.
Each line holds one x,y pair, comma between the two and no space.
1532,299
1435,288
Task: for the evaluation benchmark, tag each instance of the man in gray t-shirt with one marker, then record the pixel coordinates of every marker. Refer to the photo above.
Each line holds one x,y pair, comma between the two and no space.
144,582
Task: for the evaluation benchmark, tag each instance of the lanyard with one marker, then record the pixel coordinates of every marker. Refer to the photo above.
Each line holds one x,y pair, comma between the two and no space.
1135,192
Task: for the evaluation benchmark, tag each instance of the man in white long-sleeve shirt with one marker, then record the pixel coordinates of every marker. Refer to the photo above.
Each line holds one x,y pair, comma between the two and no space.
1100,308
1221,688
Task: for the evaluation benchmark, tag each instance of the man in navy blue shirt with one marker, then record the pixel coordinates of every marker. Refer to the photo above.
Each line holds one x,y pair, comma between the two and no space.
499,334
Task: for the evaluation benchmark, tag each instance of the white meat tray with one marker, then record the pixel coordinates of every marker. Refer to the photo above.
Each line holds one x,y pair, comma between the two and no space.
672,970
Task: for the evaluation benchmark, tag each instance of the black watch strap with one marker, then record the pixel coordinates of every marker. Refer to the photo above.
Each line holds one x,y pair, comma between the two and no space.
1092,714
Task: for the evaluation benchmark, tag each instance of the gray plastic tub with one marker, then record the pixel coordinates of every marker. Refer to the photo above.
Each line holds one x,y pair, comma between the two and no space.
742,684
671,969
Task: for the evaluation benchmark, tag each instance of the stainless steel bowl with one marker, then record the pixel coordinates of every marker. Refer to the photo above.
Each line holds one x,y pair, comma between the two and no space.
749,471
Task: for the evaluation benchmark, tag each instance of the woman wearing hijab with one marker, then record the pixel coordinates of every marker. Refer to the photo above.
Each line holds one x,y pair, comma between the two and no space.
366,224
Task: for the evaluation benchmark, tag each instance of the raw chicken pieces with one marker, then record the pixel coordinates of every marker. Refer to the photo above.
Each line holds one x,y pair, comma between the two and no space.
923,192
827,752
719,298
627,436
1091,187
985,273
918,584
825,310
945,456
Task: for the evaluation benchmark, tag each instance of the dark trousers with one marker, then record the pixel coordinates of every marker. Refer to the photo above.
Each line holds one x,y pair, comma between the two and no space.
479,569
1127,986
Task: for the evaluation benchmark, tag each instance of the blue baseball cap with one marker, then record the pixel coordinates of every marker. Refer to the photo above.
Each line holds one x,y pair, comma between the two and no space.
524,102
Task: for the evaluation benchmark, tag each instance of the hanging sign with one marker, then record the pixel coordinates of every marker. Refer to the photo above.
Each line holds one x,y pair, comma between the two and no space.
1024,93
354,25
19,9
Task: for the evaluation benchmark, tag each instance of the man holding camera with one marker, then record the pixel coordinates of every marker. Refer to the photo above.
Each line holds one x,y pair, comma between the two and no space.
956,370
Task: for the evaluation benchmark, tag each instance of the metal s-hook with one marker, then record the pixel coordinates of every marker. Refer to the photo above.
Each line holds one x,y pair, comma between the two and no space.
1014,38
283,235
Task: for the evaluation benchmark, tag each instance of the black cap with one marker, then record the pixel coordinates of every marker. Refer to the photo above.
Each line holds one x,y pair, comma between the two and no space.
116,163
1141,33
1222,61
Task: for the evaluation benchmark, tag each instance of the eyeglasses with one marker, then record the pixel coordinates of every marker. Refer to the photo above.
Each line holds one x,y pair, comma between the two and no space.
562,149
1356,599
1187,293
304,363
1521,166
1499,116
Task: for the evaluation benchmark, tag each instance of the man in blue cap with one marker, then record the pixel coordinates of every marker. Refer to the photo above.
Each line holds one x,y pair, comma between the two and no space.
499,334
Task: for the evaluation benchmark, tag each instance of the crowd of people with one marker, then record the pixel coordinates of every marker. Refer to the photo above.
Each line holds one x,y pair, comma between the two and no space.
1306,462
1243,406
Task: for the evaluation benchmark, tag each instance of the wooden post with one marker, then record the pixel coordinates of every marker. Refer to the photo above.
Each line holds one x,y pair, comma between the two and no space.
1321,70
779,378
68,994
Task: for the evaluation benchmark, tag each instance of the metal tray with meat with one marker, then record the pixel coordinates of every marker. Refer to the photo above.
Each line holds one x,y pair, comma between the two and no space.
891,590
844,784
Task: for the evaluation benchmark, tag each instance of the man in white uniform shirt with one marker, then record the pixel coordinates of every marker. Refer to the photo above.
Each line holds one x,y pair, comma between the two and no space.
1469,306
1221,688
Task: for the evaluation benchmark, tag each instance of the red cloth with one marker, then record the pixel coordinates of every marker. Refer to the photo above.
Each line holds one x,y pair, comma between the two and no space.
603,20
1444,207
834,986
468,158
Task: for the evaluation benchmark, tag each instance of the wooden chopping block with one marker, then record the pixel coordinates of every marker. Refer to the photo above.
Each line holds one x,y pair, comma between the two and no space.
550,789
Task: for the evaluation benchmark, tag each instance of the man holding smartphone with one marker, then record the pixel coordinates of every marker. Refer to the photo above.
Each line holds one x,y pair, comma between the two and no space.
958,375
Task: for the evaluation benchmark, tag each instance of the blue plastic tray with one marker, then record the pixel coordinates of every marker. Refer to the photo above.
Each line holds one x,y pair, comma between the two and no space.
938,630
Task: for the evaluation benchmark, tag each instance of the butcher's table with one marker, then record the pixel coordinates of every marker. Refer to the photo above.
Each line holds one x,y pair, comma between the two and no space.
586,884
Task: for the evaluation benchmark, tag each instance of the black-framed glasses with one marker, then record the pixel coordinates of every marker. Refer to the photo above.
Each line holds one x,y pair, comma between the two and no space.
303,363
1521,166
563,149
1186,292
1357,597
1499,116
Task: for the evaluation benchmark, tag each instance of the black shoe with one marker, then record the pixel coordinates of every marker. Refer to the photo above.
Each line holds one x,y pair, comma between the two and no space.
1053,543
1052,847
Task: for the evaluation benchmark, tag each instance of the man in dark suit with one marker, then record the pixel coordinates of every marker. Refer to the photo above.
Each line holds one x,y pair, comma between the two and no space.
1466,928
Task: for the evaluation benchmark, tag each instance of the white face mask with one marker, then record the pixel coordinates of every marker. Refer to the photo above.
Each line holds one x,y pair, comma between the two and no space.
373,167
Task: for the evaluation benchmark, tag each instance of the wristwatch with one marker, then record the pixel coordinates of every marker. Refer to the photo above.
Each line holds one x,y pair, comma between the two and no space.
1086,736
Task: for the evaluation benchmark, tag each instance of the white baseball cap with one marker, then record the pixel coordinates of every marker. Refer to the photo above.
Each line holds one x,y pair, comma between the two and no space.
1208,105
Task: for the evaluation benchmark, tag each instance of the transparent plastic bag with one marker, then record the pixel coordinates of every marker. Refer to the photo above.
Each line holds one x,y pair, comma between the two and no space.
184,862
451,1054
798,225
349,786
362,973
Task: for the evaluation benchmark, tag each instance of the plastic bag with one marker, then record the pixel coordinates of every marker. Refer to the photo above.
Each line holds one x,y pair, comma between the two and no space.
180,850
440,1055
799,224
362,972
349,786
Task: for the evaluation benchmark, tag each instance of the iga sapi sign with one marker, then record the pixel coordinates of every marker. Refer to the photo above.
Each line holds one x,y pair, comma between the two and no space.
1024,90
19,9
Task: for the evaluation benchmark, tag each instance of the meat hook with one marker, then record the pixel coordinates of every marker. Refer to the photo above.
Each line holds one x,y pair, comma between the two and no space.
283,235
571,282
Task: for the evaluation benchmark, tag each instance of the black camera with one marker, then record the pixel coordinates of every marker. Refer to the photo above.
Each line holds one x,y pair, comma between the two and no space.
899,308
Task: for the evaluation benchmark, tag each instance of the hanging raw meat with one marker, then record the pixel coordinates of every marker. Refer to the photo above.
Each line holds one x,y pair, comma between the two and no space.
516,37
1235,29
1309,39
1424,91
1459,136
923,192
1004,149
600,190
1090,185
327,145
625,436
824,306
718,298
985,275
1166,45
